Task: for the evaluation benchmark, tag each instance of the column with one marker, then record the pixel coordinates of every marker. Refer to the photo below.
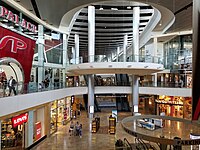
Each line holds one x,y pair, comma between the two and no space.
155,50
135,93
117,56
91,33
195,61
124,47
73,61
91,53
135,42
65,59
90,95
154,79
77,48
40,54
30,129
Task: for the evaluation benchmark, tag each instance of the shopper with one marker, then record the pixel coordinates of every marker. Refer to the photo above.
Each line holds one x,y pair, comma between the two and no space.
71,128
11,85
77,128
80,131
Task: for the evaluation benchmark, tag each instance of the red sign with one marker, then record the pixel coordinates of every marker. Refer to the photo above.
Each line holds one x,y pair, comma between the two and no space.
38,130
19,47
18,120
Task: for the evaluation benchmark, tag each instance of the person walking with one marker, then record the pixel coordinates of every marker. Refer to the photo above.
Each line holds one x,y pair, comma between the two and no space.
11,85
80,131
71,128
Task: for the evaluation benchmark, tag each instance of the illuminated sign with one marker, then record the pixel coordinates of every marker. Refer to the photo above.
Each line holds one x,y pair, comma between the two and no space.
9,15
18,120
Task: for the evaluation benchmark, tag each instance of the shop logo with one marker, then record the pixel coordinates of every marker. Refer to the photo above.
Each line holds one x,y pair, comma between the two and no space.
18,120
16,43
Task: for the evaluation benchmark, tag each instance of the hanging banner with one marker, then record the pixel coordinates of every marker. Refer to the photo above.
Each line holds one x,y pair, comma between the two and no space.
18,47
38,128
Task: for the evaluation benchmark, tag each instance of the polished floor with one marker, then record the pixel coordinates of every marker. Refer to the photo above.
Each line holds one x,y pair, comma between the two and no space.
102,140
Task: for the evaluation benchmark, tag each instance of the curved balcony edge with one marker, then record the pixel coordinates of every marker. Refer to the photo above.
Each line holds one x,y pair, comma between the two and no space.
135,68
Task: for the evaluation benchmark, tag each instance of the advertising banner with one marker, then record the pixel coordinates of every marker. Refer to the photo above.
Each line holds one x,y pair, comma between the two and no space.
18,47
38,133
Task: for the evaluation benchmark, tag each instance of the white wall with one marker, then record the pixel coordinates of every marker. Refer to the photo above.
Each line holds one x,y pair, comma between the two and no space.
9,105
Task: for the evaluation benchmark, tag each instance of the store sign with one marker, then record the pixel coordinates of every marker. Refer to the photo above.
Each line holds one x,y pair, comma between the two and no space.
9,15
18,47
15,42
38,127
18,120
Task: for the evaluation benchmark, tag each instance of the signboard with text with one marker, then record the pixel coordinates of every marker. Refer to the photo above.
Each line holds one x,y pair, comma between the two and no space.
38,131
19,120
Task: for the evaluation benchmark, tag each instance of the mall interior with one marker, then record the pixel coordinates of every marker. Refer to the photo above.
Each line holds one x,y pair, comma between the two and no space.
96,75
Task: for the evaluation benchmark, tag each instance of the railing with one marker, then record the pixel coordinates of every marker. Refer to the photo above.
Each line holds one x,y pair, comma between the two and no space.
121,58
33,87
127,144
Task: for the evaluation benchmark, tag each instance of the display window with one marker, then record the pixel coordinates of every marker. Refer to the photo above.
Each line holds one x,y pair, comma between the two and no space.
53,126
11,137
174,106
60,113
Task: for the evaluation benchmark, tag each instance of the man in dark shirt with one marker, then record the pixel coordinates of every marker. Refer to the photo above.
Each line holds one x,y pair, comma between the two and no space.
11,85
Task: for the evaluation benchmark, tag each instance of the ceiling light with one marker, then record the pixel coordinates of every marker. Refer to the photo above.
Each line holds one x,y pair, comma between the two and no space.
128,7
114,8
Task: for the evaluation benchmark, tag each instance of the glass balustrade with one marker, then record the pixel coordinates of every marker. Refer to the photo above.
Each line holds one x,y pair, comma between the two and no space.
121,58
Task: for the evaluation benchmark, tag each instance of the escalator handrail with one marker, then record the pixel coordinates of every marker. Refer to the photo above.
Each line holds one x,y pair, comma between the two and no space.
125,140
137,139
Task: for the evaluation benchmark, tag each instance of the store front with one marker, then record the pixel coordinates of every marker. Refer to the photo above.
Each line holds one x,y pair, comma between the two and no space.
60,113
174,106
13,132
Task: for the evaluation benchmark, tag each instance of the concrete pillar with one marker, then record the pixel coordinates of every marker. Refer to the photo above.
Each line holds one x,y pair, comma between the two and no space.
40,54
154,79
90,94
124,47
91,33
195,61
73,61
91,53
135,42
30,129
118,51
65,58
155,50
77,48
135,93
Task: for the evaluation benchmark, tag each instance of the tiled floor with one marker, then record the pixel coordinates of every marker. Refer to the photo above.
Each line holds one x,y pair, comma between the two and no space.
102,140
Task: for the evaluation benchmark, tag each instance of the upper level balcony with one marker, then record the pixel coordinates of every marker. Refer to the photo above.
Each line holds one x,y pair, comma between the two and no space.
126,64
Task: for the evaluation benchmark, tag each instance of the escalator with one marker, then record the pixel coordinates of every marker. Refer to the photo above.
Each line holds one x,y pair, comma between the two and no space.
122,103
122,80
96,106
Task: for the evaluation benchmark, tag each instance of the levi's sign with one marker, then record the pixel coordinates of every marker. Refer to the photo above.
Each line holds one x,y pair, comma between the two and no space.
16,43
9,15
18,120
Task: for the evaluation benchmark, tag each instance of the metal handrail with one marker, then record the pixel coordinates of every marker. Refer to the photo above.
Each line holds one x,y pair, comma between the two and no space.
126,141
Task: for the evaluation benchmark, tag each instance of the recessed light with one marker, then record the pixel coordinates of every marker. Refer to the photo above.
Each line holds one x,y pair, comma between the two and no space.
114,8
